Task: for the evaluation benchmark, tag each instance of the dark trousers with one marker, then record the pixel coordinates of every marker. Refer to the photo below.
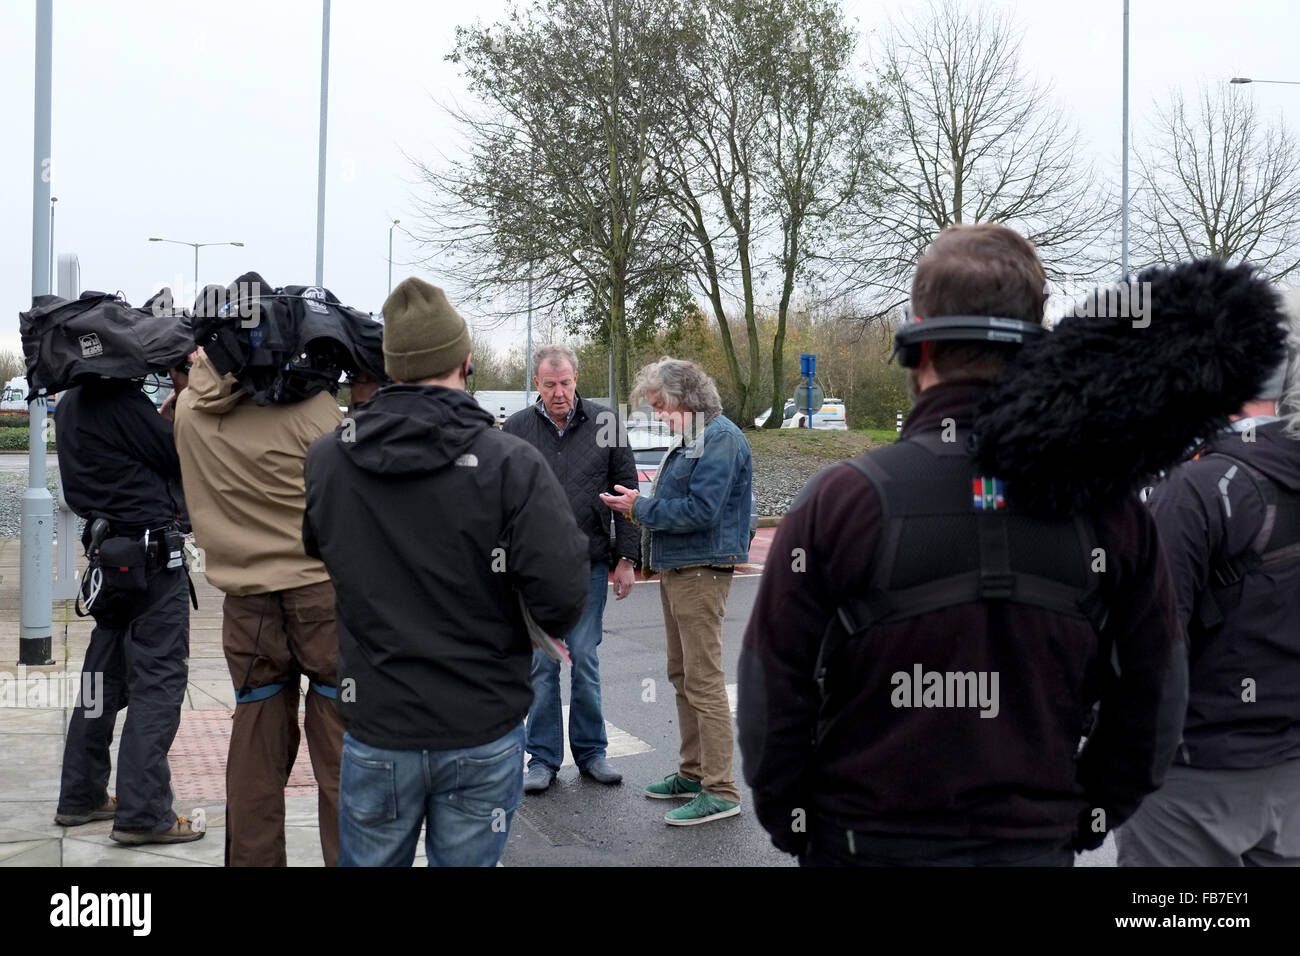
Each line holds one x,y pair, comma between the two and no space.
834,846
137,659
272,639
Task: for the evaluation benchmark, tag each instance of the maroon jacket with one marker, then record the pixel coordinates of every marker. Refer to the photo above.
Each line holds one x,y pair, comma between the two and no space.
944,771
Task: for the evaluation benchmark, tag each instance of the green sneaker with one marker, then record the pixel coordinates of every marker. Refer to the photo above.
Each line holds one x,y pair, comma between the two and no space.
674,786
702,809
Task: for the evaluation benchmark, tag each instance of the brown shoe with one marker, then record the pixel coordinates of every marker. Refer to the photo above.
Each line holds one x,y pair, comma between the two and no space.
182,831
105,812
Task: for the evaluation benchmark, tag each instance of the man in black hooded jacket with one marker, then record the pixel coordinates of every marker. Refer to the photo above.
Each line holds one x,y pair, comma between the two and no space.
434,526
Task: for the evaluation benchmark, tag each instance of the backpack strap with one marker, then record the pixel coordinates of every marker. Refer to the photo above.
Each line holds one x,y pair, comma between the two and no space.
1276,544
1230,569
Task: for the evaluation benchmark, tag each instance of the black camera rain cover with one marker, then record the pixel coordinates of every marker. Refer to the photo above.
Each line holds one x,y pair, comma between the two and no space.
285,345
322,319
65,340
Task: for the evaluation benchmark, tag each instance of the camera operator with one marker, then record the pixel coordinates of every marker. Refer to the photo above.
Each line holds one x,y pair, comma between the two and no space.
120,472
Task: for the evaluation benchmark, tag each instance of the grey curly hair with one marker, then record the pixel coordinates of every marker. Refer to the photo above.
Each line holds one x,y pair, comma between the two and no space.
681,384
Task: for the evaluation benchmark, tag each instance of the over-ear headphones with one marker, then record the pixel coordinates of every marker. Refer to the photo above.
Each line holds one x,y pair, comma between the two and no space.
911,336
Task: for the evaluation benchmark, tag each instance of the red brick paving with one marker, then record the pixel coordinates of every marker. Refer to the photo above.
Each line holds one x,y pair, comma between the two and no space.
198,758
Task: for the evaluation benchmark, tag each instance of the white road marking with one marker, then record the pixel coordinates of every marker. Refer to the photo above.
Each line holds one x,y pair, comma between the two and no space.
621,743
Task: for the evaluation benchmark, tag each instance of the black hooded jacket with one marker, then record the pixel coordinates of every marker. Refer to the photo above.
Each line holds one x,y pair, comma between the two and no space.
1244,639
431,522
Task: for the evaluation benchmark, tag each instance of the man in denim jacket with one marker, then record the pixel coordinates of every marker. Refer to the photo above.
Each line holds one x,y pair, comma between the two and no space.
698,522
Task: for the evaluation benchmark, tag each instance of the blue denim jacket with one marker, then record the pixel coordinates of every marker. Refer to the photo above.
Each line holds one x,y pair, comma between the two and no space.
699,513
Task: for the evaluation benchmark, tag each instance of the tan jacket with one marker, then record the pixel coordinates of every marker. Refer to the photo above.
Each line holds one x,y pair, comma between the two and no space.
242,467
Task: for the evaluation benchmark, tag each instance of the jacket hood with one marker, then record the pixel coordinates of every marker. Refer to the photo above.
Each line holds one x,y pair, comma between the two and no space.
210,391
412,429
1271,451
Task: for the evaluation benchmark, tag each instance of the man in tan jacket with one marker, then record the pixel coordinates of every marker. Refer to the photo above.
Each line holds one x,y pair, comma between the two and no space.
242,468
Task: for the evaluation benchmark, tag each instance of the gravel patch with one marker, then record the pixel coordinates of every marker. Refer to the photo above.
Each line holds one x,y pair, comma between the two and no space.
784,461
779,479
13,485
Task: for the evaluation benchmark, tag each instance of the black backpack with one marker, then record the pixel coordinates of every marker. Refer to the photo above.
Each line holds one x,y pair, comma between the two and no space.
949,537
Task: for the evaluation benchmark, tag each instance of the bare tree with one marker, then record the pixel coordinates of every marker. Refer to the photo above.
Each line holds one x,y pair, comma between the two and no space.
711,169
12,365
771,134
820,140
1219,182
976,140
557,200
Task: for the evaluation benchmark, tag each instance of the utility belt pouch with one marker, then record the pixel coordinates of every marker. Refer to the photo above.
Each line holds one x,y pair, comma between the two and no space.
122,562
173,550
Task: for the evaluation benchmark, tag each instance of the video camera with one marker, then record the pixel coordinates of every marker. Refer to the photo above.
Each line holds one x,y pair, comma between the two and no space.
285,344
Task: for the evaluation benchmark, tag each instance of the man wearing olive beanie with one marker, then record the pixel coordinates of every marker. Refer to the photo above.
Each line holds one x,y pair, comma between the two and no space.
435,526
424,337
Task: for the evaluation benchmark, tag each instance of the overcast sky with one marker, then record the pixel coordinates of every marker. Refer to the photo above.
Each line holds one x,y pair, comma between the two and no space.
197,120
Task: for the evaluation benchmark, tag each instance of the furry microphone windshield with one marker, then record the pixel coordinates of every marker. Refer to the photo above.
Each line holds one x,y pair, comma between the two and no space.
1084,416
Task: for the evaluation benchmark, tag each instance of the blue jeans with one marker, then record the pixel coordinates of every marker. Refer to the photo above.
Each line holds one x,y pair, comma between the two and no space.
586,724
466,797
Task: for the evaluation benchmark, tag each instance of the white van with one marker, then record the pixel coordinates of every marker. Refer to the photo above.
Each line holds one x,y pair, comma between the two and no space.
15,395
830,415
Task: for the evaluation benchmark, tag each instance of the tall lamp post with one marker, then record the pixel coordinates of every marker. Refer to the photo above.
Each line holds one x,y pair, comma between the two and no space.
390,255
1123,206
196,246
53,200
1247,79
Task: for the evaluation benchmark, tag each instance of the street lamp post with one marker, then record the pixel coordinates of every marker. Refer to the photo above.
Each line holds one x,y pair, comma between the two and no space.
196,246
53,200
1247,79
1123,206
390,256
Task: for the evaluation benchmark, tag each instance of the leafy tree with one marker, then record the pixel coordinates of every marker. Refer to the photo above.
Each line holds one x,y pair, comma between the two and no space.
558,199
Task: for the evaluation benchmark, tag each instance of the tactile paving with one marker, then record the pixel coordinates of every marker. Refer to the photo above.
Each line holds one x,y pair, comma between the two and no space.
198,758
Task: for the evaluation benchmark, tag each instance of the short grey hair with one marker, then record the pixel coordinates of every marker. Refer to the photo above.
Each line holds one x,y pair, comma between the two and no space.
681,384
554,354
1288,405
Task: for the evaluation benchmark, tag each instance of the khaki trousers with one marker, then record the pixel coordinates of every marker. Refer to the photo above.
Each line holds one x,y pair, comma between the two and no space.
695,600
272,639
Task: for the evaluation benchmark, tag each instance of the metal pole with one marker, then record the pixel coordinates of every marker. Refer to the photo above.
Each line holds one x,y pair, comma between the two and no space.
320,167
528,355
196,270
1123,253
53,200
37,549
390,260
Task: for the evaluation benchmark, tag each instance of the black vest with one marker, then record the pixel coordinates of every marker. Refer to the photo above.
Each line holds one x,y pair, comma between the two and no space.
951,537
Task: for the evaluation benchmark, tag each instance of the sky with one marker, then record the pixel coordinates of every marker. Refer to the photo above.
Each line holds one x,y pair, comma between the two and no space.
197,120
